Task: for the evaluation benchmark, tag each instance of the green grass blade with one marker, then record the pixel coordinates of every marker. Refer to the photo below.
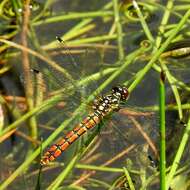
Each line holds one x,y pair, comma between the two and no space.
162,132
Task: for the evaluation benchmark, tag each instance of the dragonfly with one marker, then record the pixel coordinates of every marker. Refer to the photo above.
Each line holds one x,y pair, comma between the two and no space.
102,107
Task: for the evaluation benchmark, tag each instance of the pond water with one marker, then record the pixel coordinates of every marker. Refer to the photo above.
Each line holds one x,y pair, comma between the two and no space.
65,73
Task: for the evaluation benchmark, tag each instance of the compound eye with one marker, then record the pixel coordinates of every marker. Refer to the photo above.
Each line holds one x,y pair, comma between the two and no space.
120,89
125,94
115,89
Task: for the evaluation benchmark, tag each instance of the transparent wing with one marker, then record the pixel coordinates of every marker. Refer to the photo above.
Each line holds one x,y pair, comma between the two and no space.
120,141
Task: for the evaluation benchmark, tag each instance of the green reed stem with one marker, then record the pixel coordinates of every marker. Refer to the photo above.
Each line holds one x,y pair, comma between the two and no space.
104,168
119,29
83,41
164,22
162,132
168,107
143,22
92,39
69,36
71,16
182,7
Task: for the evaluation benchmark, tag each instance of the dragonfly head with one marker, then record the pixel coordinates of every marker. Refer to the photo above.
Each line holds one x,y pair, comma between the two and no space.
121,91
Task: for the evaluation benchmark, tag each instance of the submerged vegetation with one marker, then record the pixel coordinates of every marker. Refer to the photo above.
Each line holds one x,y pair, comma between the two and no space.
57,56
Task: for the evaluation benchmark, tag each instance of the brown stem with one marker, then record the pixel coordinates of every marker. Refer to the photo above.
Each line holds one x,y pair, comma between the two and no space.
26,68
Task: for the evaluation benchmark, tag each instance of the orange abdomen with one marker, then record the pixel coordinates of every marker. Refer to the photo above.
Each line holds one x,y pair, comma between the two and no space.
56,149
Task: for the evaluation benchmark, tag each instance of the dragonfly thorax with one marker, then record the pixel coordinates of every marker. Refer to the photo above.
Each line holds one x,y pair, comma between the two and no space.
106,104
102,105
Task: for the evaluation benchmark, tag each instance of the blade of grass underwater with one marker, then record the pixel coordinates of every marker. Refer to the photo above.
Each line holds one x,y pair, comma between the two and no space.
74,187
143,22
119,29
179,154
164,21
39,181
77,16
46,6
92,39
99,168
39,178
28,85
87,40
98,183
162,132
151,179
131,185
55,184
106,164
